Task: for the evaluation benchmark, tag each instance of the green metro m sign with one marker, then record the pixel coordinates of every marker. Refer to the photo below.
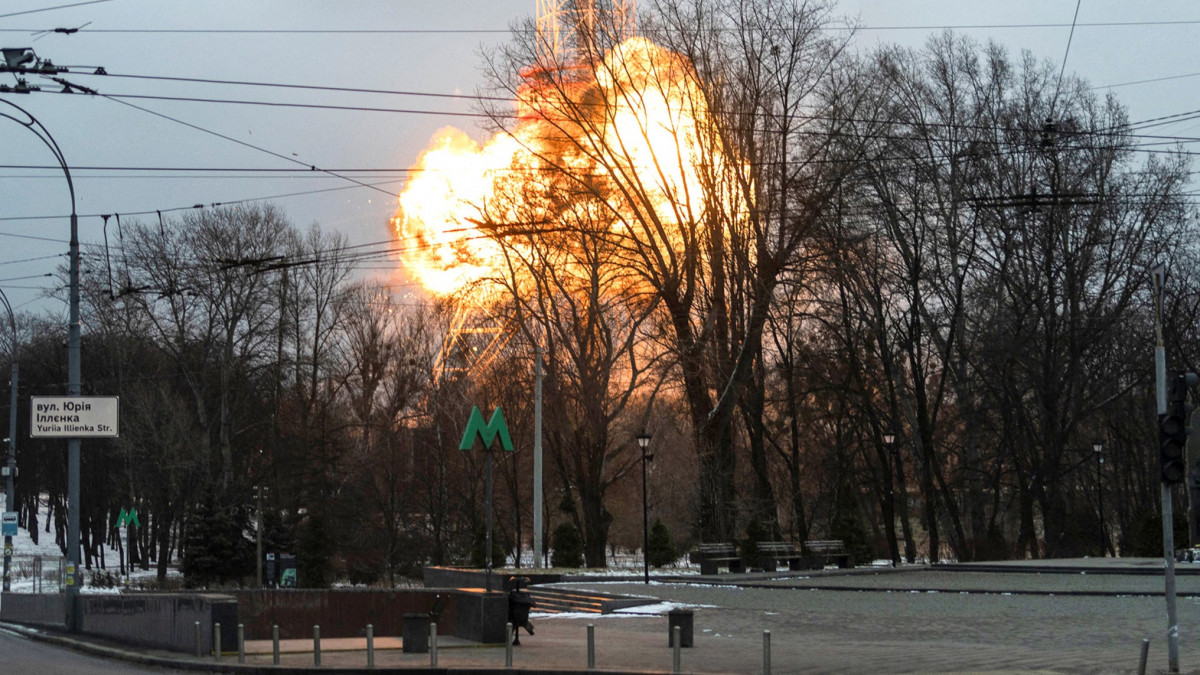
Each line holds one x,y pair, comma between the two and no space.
126,519
486,432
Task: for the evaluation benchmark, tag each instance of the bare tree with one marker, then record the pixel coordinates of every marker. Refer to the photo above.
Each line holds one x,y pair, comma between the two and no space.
690,151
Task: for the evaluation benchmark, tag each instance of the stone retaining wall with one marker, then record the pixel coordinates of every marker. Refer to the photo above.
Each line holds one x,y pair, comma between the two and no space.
158,620
168,620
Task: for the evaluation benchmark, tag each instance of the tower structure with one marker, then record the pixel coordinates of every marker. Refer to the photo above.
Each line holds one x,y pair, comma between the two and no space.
568,30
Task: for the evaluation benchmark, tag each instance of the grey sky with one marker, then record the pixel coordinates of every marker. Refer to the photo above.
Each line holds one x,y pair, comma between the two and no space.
97,132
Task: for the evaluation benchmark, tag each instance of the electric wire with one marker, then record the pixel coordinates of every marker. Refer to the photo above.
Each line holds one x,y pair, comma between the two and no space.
519,31
1153,79
241,142
469,97
280,104
1126,128
47,9
305,87
1063,69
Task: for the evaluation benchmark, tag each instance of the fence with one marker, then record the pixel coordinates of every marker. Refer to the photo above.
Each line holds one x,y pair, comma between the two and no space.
37,574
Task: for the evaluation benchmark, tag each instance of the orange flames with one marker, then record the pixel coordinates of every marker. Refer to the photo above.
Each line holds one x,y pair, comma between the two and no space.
636,120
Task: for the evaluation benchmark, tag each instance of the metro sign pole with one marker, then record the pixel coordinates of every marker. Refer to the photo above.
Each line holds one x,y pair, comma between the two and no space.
487,433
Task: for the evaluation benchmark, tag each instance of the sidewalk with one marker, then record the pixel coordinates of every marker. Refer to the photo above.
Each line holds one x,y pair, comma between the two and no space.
1013,618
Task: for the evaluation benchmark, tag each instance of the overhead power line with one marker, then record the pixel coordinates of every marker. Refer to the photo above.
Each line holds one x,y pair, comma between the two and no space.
47,9
1153,79
509,31
412,111
276,104
427,94
280,85
1066,53
197,127
311,171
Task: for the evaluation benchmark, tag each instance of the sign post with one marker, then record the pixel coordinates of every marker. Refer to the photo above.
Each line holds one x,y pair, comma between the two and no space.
73,417
487,433
8,529
125,519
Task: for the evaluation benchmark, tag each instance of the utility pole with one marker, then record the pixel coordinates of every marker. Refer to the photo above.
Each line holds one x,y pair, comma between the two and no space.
1159,274
258,552
10,467
537,462
72,576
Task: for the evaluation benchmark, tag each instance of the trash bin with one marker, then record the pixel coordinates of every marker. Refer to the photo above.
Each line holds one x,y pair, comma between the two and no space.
416,633
683,619
519,604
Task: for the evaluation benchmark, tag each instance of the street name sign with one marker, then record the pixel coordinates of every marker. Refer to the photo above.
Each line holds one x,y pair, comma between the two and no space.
73,416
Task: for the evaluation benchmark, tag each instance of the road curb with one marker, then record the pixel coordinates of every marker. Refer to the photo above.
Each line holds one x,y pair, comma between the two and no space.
117,653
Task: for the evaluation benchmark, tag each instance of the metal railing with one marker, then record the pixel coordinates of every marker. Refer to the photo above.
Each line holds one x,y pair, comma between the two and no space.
37,574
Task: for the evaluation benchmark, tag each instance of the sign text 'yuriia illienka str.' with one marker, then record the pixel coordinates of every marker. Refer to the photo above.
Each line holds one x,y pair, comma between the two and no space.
73,416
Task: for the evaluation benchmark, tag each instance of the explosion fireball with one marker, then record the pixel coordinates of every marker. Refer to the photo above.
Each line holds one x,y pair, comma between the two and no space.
634,121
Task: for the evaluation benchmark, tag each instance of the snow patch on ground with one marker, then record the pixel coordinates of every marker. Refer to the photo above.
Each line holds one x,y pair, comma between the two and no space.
657,609
26,553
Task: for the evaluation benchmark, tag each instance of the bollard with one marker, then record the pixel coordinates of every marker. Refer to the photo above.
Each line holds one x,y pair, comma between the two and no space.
591,633
508,639
1145,653
275,644
676,647
370,646
316,645
241,643
198,645
766,652
433,644
217,641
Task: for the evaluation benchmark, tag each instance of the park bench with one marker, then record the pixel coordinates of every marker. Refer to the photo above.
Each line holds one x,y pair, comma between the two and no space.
819,553
713,556
772,554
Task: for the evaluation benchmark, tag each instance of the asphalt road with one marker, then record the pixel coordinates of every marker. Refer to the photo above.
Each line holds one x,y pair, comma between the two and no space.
917,621
905,631
21,656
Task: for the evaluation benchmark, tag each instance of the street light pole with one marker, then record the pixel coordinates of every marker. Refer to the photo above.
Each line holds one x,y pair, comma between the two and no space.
11,465
1159,277
72,576
1098,448
889,440
643,441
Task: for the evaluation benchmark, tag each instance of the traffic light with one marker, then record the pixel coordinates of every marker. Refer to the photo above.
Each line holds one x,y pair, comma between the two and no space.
1173,428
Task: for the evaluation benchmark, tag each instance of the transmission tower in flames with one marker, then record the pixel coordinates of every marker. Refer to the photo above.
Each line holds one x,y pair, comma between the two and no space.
567,27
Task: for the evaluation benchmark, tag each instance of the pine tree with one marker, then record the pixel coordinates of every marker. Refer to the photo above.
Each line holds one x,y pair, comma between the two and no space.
659,549
568,546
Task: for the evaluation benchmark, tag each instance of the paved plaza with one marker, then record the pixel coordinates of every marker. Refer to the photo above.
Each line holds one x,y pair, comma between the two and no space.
1090,617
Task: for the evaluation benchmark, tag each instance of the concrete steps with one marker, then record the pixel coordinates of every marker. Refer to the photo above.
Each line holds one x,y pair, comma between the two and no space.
562,600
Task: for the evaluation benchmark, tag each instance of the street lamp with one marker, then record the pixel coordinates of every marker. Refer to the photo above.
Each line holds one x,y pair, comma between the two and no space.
889,439
643,441
1098,450
73,378
10,467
